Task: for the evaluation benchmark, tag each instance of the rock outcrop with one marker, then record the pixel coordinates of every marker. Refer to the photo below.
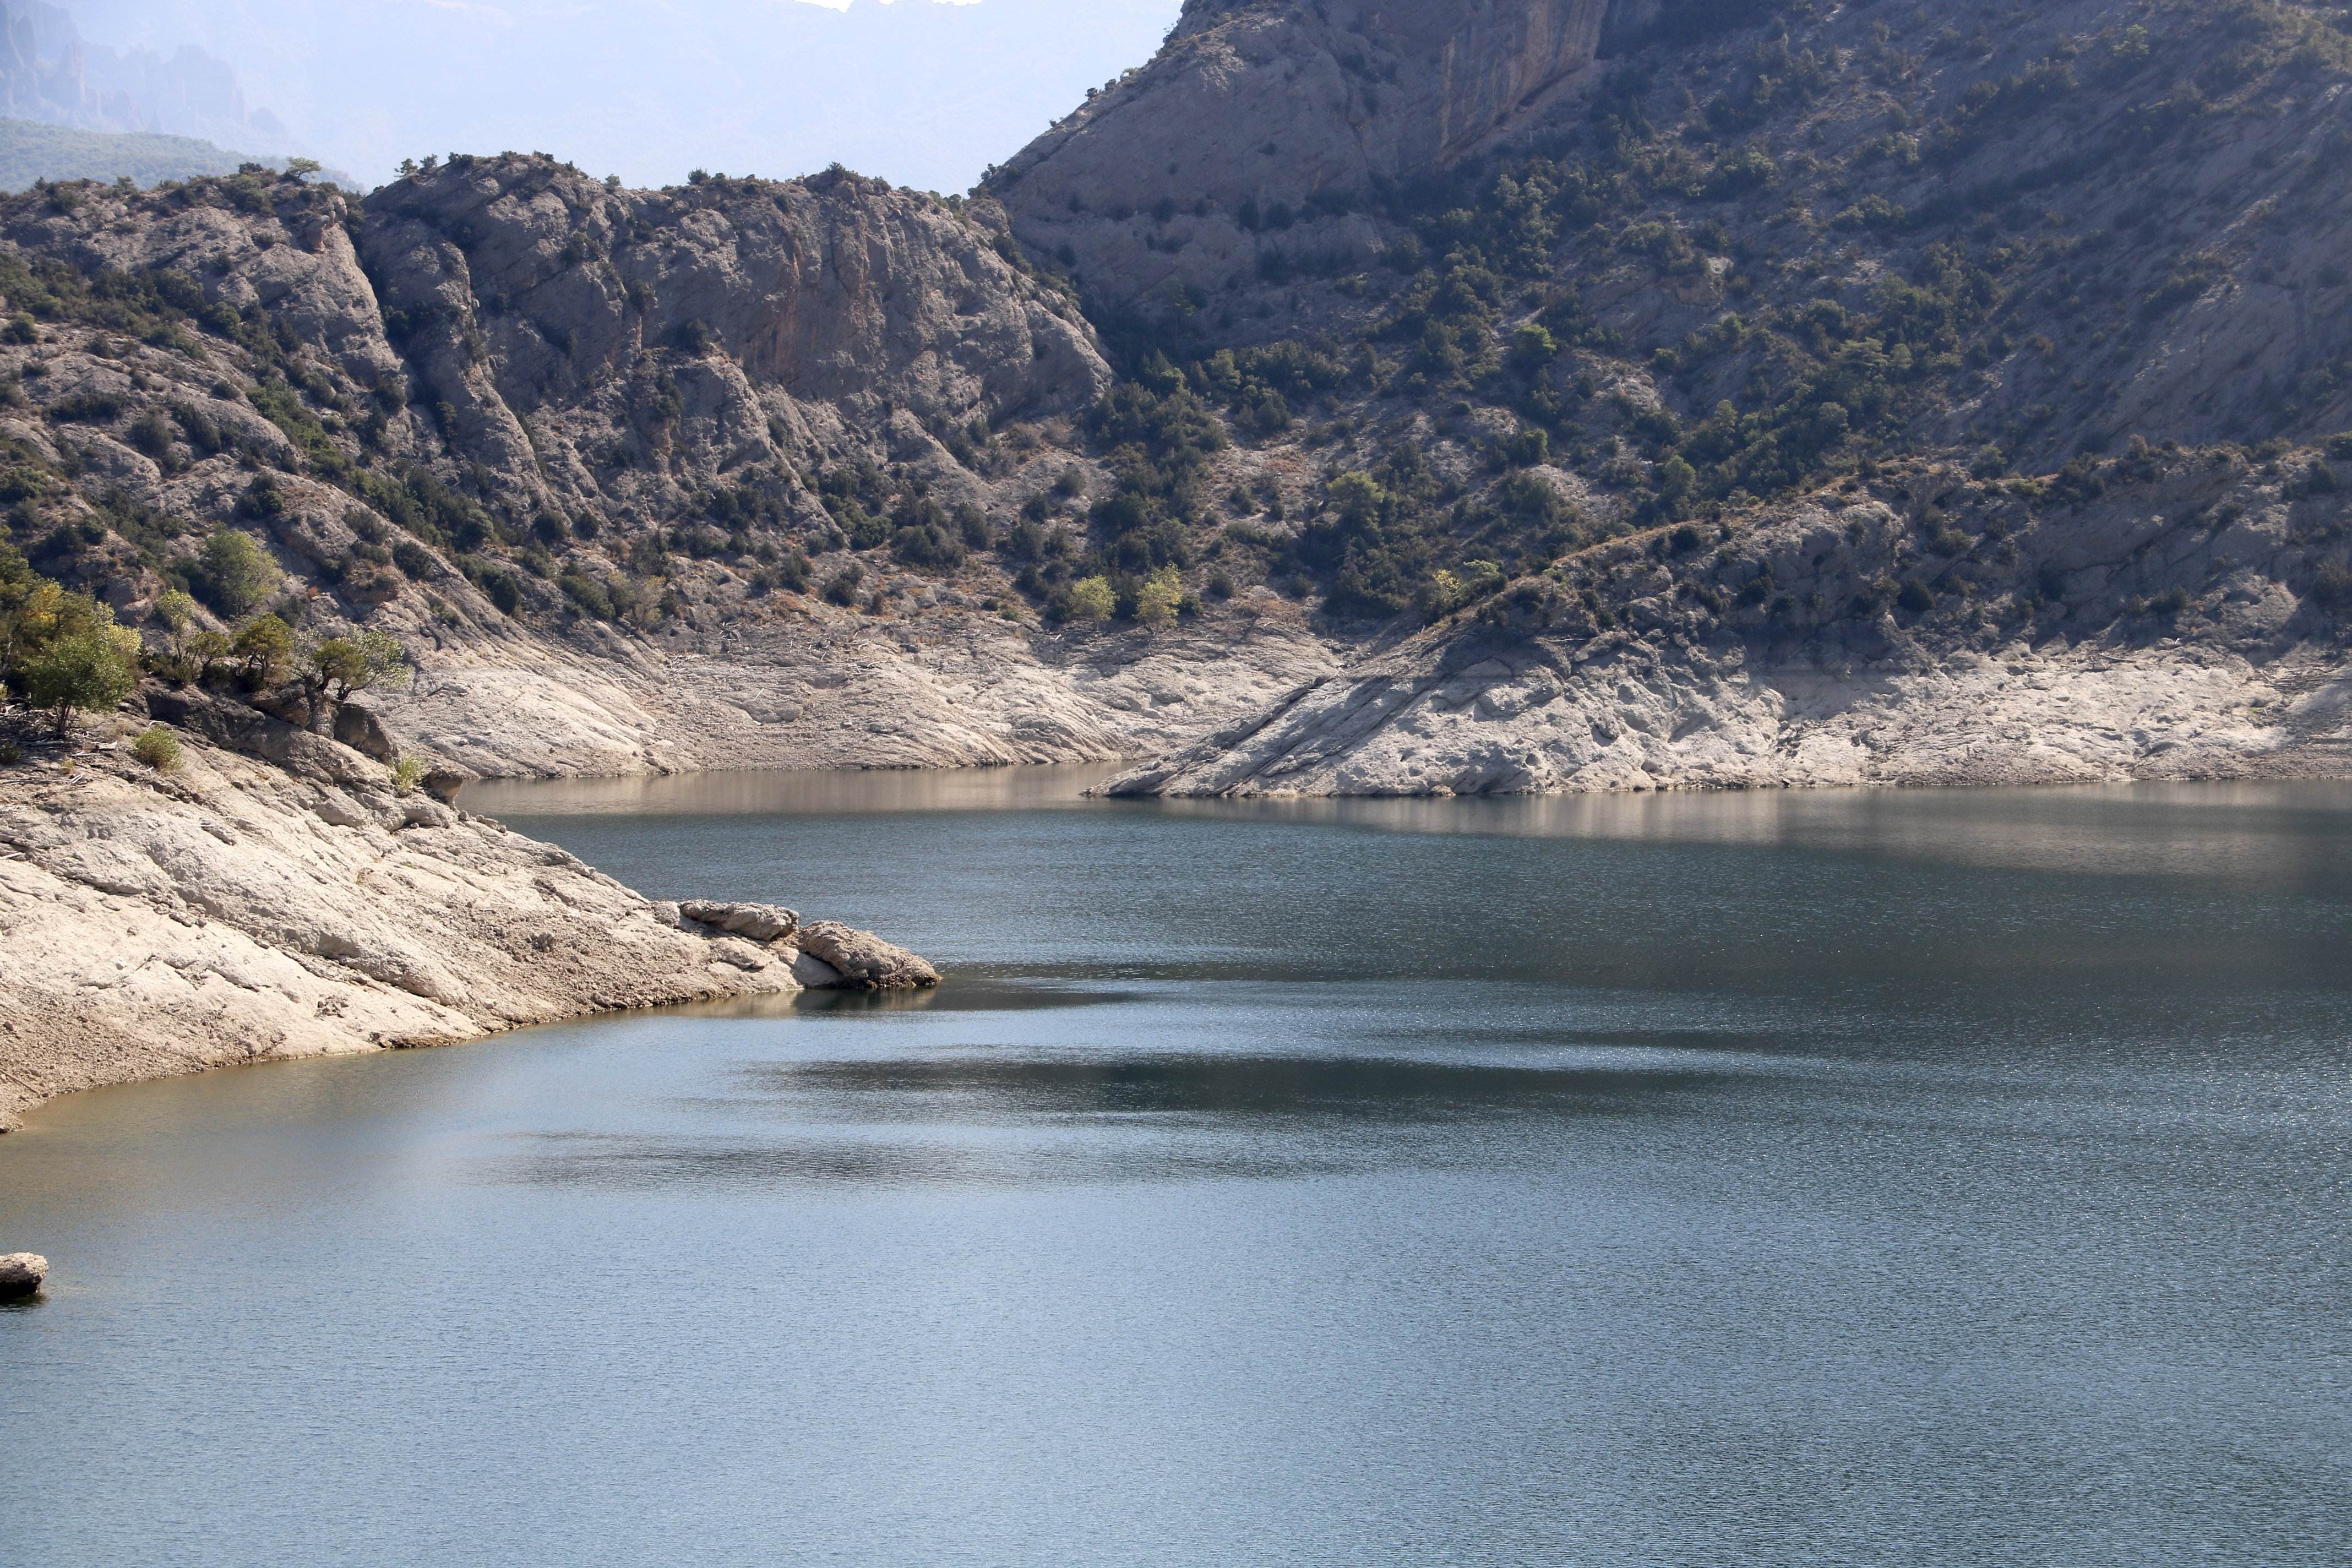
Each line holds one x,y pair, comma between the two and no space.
234,910
760,922
863,961
2191,624
21,1274
826,956
1255,116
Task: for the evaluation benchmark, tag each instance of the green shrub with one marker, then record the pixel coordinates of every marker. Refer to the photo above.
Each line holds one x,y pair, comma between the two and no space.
1915,597
406,774
841,588
236,572
1091,599
2333,585
159,749
90,671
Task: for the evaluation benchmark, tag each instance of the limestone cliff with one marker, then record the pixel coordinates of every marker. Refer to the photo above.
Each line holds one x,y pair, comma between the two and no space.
1163,179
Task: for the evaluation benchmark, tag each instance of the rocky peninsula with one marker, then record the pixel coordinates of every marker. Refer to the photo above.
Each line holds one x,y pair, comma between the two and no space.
291,901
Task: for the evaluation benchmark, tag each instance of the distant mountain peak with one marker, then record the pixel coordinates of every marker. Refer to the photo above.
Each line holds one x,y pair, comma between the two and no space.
49,73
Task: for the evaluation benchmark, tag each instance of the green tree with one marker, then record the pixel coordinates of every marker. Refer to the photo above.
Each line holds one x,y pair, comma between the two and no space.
177,610
208,649
237,572
339,667
1157,601
265,644
1091,599
91,670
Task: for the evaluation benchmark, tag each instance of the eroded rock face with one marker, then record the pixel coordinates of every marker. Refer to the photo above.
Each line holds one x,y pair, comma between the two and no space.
864,961
559,319
760,922
1256,115
231,912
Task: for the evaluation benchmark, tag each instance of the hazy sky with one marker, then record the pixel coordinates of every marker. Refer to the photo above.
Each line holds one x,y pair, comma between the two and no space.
922,92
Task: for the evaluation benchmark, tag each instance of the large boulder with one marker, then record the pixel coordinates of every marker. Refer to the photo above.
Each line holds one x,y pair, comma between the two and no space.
863,961
21,1274
363,732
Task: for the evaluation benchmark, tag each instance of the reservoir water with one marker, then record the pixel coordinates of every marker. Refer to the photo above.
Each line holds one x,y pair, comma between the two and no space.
1945,1179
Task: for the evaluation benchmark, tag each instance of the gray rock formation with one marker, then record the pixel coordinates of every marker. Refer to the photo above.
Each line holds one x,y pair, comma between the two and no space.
758,922
1255,116
21,1274
234,910
863,961
2189,625
696,332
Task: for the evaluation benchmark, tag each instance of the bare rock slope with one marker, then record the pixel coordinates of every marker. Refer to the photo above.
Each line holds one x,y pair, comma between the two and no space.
1164,177
2189,620
236,911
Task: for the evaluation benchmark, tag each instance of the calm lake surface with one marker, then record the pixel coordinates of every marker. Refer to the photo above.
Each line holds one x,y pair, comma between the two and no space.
1855,1179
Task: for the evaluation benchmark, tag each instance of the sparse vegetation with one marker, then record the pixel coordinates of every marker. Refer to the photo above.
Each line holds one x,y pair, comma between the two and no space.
158,748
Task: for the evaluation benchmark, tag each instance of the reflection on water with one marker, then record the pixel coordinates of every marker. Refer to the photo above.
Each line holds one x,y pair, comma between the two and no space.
2296,834
1931,1179
769,793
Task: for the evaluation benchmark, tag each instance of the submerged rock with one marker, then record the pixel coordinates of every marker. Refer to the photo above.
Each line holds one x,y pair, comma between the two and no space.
21,1274
862,961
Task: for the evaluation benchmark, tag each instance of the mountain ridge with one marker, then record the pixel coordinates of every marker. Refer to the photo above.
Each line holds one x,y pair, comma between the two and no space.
818,472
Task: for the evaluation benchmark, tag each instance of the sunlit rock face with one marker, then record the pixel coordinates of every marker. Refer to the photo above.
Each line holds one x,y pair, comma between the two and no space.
1262,119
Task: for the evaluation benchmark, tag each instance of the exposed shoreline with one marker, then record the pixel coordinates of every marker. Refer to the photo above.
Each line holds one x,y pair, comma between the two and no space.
234,910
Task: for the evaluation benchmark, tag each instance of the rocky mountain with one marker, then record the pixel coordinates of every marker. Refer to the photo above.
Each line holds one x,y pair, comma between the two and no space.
669,480
50,74
1314,397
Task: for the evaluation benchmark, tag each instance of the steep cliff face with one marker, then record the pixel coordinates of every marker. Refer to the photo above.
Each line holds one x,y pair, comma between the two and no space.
562,320
1160,181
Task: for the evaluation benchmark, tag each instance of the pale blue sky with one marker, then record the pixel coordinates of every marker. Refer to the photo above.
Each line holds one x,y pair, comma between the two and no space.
922,92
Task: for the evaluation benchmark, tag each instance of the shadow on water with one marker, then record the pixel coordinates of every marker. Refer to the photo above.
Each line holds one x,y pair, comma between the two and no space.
960,994
1218,1088
979,1119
